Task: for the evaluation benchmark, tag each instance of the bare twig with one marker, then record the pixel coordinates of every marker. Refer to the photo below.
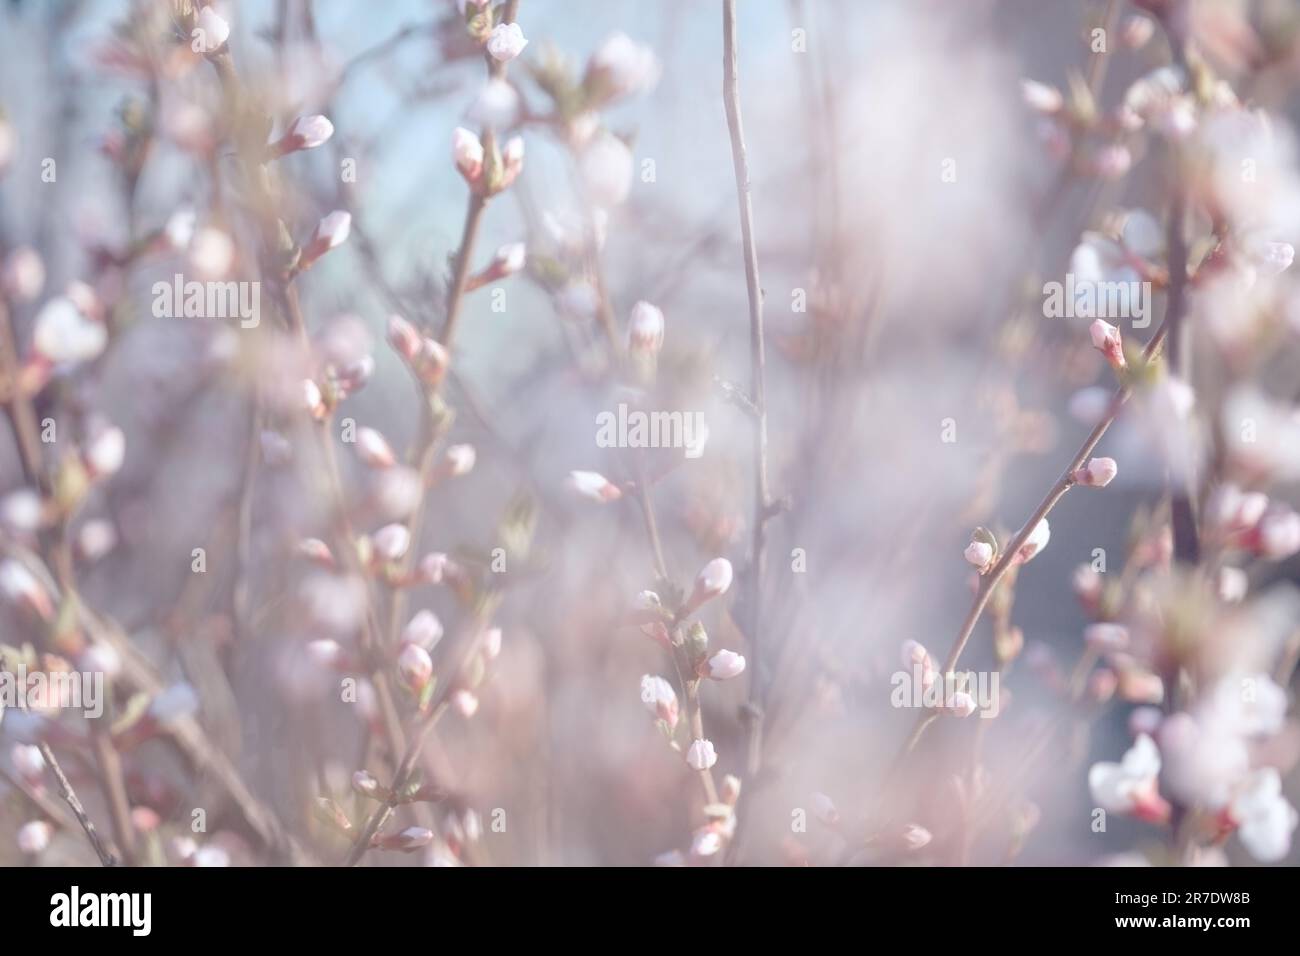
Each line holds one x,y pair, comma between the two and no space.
424,455
106,857
763,511
990,581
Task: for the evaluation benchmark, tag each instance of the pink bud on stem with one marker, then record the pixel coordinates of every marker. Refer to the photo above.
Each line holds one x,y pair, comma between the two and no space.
1096,473
331,232
713,580
1106,340
306,132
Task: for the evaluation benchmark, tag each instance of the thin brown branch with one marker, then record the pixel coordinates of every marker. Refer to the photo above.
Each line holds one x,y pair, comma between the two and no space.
106,857
990,581
763,511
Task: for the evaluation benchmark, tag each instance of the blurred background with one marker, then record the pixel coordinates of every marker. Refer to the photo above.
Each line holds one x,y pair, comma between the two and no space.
908,206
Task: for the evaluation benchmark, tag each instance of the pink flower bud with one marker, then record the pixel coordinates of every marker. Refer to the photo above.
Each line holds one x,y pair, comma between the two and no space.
436,566
424,629
95,539
1040,97
1106,340
1131,786
100,658
306,132
915,836
512,162
432,363
22,510
373,449
180,849
366,784
960,704
331,232
729,791
391,541
404,338
508,260
1273,258
316,551
713,580
706,841
65,332
407,841
1087,585
701,755
28,761
397,492
1278,535
1112,161
105,453
210,32
724,665
459,460
20,587
1136,31
506,42
85,299
23,275
326,653
1229,511
313,401
823,808
594,485
352,377
465,702
660,699
918,661
979,554
620,67
607,168
1036,541
145,819
645,329
1234,584
211,856
467,153
915,655
414,667
1097,473
34,837
496,105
